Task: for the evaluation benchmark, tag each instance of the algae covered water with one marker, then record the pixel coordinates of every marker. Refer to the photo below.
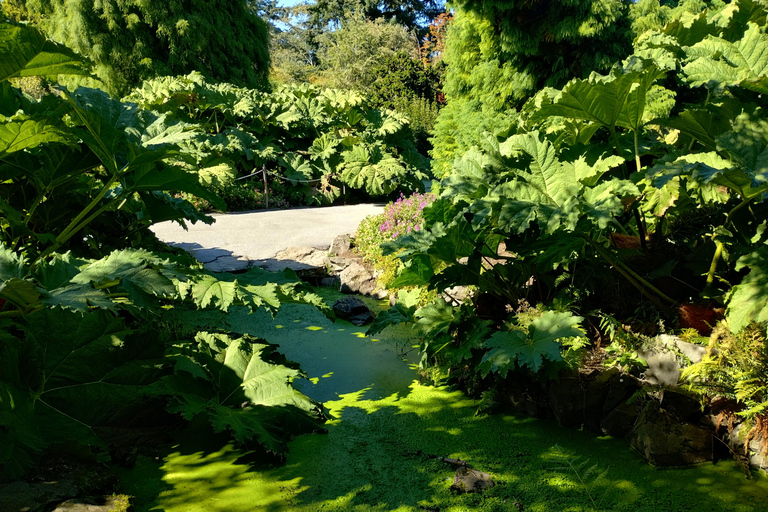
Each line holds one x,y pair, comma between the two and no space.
381,450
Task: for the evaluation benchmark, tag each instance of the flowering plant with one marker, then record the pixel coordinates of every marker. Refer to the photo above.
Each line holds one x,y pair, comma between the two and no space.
404,215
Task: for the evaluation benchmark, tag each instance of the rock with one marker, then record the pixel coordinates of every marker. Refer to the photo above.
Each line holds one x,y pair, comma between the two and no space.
663,368
57,481
736,440
330,282
663,440
686,408
353,310
529,400
619,421
471,480
456,295
227,264
119,503
296,258
578,400
357,279
621,387
690,350
341,246
663,358
337,264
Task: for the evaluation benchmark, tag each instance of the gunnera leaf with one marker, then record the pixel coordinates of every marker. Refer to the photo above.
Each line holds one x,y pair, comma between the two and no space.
746,301
531,349
243,386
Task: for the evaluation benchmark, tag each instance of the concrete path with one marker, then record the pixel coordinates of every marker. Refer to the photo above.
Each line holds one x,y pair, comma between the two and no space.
238,240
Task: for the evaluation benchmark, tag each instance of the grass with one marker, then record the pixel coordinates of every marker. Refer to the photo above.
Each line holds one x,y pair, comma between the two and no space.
380,450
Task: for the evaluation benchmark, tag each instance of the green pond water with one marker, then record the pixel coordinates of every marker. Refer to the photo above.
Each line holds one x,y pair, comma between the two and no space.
387,429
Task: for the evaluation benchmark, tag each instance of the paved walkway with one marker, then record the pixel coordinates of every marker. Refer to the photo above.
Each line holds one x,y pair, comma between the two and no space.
238,240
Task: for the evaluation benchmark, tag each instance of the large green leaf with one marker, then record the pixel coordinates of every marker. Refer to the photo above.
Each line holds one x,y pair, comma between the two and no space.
747,144
531,349
49,166
20,135
746,300
24,51
242,386
436,318
546,180
88,373
12,264
618,99
702,124
724,63
374,170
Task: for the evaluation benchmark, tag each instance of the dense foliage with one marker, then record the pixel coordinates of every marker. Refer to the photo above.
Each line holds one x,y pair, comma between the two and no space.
134,40
399,218
410,14
83,344
638,194
498,54
321,141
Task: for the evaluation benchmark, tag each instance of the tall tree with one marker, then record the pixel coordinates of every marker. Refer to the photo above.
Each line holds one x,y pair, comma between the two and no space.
134,39
410,13
350,54
499,53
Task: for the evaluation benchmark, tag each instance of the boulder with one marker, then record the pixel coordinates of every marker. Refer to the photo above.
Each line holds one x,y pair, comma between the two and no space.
341,246
112,503
685,407
620,421
358,279
529,400
663,356
663,368
471,480
456,295
663,440
353,310
337,264
578,400
737,441
296,258
621,387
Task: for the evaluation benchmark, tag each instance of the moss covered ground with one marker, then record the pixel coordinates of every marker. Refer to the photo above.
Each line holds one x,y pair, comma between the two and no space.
379,453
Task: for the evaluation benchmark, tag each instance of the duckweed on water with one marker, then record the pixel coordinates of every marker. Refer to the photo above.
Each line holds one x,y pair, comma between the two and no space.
381,449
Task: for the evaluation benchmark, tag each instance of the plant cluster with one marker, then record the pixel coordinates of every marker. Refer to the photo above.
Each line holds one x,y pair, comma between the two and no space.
399,218
130,41
404,215
242,196
633,192
83,352
321,143
736,367
498,54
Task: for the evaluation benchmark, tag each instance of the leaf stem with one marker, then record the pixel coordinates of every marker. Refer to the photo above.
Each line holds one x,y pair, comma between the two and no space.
634,279
619,149
76,224
720,246
715,259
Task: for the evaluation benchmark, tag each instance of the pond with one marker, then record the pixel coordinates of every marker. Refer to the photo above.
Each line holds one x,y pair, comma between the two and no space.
385,435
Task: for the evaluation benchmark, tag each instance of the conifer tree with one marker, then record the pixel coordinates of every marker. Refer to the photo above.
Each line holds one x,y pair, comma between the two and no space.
501,52
134,39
